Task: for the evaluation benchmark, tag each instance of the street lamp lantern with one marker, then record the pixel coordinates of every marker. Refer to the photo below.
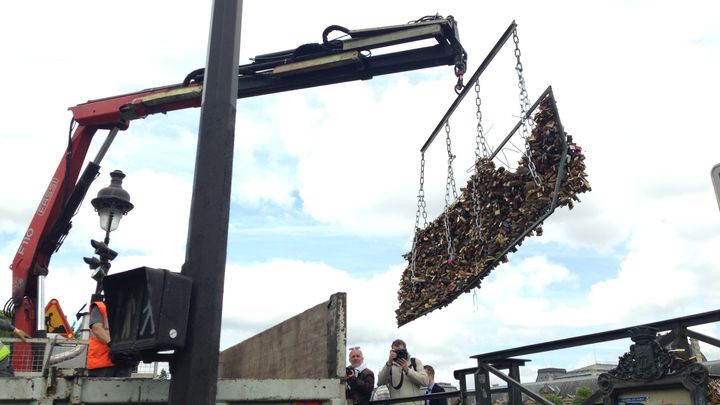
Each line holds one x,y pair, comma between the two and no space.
111,203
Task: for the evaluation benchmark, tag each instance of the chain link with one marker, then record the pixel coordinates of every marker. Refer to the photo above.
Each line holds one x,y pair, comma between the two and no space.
421,212
482,149
524,108
422,206
449,188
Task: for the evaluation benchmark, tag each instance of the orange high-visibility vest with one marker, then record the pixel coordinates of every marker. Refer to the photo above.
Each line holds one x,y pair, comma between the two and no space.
99,352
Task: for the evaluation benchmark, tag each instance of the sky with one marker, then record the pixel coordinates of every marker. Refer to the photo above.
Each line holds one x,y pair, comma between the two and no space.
325,180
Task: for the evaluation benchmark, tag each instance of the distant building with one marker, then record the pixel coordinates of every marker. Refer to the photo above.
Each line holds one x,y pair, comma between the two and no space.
549,374
556,377
558,381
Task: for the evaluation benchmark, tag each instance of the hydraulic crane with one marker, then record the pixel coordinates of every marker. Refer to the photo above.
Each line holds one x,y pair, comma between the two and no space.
340,60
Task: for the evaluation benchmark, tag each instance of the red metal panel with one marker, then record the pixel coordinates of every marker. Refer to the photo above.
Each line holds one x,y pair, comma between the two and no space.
107,113
29,252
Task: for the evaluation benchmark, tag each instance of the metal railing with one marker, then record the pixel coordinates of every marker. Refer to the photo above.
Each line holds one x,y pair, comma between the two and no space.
423,397
489,363
34,356
28,356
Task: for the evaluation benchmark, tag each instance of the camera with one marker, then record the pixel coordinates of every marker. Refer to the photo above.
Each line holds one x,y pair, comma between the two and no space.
401,354
349,371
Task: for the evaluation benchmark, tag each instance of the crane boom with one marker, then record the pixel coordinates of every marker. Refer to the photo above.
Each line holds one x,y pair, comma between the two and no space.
309,65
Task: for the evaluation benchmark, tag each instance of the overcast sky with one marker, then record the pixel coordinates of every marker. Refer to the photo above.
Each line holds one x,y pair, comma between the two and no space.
325,179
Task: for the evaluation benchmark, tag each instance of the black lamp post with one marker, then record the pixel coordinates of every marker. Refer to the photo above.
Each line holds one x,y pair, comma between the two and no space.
111,204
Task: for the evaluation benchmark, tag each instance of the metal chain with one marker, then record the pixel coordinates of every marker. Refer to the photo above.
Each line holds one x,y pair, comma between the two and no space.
524,108
421,211
451,177
422,206
480,141
449,187
482,149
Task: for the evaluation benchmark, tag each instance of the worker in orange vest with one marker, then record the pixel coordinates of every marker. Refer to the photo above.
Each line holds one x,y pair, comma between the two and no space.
99,363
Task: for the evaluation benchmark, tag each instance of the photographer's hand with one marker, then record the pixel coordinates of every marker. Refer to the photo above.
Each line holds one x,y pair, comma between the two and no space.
404,364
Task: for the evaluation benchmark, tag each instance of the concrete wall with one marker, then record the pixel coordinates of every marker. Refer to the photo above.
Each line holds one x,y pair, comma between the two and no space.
308,345
66,389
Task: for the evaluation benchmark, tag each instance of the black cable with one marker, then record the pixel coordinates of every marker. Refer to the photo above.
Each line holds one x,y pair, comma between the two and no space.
305,50
272,56
68,160
332,28
193,76
9,309
426,18
310,50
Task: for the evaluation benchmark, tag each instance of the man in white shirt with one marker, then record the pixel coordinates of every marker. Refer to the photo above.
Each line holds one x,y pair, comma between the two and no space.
404,375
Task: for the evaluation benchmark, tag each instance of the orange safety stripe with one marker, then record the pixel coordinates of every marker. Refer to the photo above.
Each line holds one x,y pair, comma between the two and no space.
98,352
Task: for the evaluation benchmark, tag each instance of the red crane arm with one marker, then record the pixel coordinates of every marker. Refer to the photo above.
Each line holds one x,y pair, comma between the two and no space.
39,242
106,113
310,65
31,258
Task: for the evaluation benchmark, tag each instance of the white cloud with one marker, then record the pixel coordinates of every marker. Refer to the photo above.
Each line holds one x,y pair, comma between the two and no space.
462,329
371,304
637,99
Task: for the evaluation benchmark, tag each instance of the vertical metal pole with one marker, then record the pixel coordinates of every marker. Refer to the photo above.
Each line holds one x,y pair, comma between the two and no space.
482,386
514,394
41,305
194,369
463,389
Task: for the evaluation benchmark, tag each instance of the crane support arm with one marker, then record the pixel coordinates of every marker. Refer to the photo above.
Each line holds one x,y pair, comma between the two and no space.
309,65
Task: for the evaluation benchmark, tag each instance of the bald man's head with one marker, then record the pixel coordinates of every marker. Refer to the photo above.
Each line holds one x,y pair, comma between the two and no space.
356,357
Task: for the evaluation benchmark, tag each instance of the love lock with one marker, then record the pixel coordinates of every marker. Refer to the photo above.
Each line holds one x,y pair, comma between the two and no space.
508,205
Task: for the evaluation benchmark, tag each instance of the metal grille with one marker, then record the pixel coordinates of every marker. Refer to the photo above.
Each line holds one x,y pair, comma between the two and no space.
29,356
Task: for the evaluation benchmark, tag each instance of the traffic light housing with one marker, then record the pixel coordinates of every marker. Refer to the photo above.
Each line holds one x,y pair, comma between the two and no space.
102,250
147,309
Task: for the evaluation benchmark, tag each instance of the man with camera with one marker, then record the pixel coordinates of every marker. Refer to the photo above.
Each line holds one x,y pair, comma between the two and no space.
359,380
404,375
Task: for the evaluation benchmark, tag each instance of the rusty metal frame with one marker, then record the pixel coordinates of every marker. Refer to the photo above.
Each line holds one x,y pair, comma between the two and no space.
475,282
506,359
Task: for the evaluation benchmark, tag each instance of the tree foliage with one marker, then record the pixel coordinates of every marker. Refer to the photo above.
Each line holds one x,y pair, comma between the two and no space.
554,398
6,319
581,394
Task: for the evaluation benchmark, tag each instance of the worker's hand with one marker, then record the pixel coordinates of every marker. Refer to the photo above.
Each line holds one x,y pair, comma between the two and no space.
404,365
20,334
